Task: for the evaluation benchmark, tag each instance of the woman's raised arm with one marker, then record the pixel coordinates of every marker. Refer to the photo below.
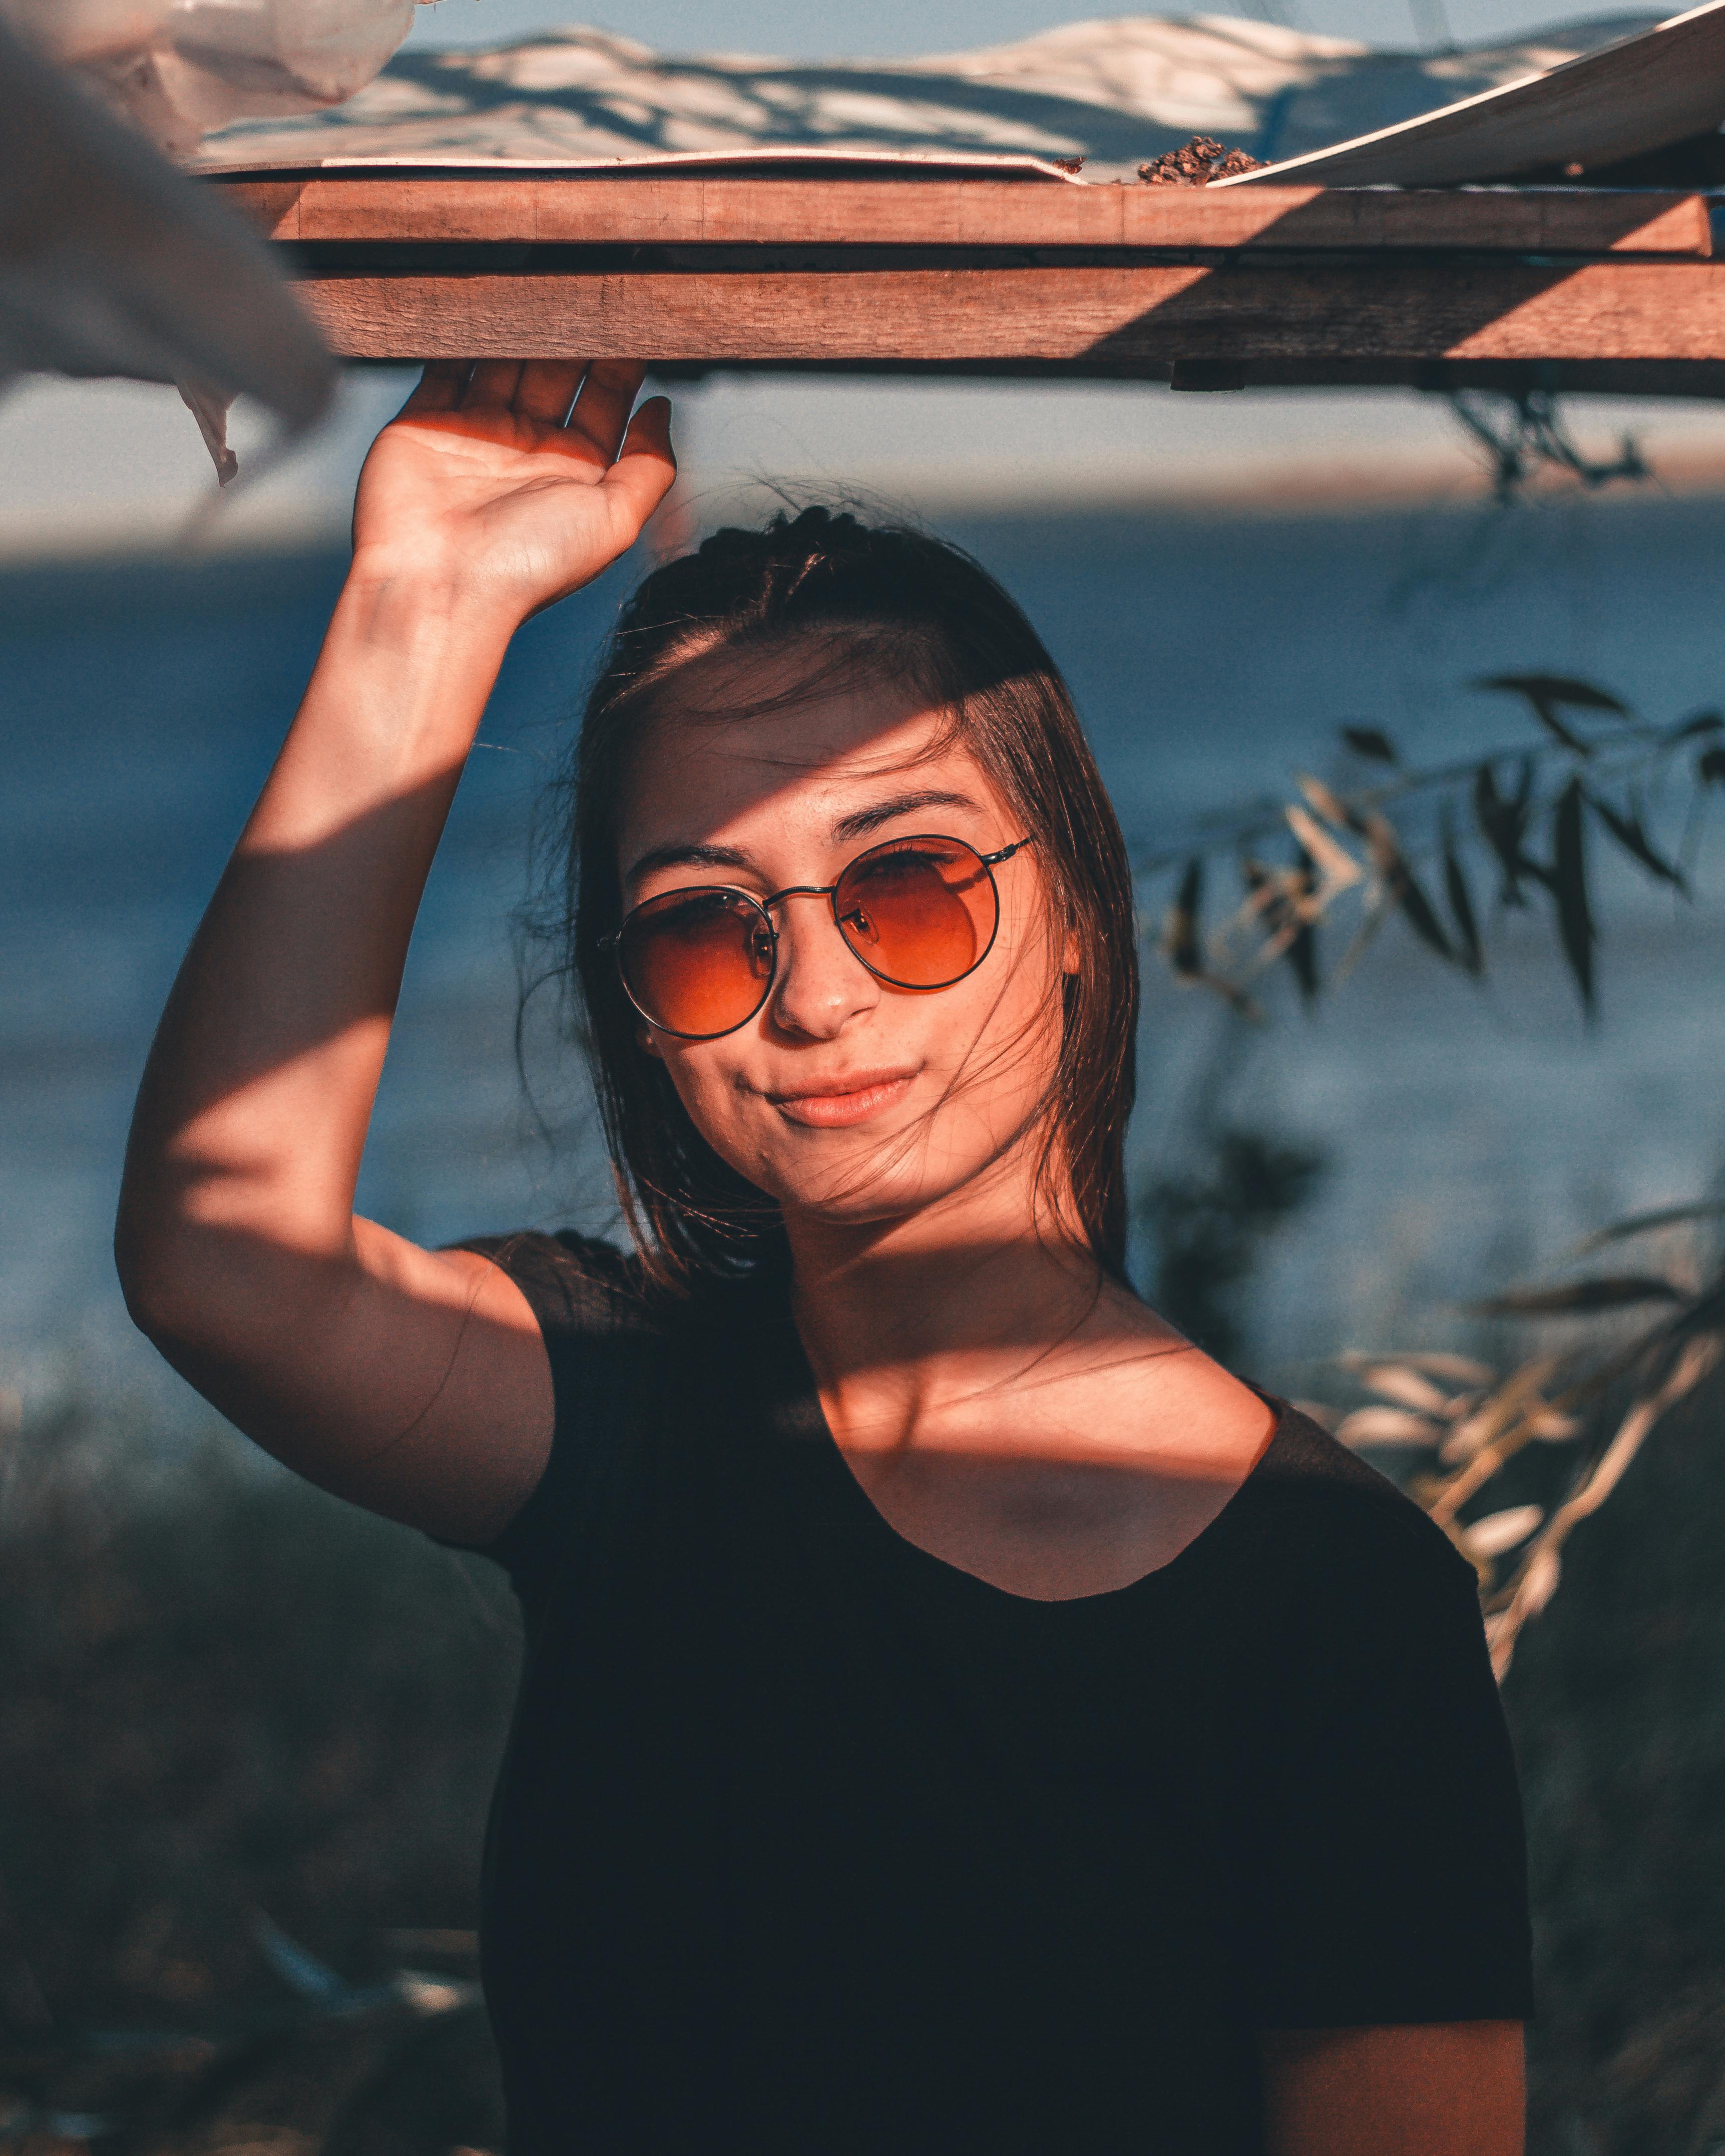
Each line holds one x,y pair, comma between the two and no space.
412,1381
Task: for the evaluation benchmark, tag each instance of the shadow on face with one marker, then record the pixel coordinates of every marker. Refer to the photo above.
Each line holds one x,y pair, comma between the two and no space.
844,1094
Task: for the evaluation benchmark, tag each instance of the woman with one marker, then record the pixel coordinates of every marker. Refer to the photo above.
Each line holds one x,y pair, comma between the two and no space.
957,1716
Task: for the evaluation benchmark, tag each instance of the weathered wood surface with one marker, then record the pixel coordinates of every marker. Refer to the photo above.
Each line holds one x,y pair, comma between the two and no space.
693,211
1239,312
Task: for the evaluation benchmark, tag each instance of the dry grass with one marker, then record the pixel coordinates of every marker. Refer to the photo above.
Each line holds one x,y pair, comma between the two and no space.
1597,1460
1589,1403
223,1699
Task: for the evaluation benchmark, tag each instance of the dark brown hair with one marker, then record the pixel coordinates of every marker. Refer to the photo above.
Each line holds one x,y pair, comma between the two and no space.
826,591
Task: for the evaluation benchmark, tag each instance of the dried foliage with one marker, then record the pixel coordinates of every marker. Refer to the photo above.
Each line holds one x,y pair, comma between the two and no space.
1196,163
246,1734
1522,819
1591,1407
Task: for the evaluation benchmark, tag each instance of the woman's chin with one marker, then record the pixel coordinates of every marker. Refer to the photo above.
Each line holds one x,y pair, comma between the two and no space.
866,1176
865,1199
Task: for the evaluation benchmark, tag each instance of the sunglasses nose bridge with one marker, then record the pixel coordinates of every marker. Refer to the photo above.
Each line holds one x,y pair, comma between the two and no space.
829,891
817,987
797,891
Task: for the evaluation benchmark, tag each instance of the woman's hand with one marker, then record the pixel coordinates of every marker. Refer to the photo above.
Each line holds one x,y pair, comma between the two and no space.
489,480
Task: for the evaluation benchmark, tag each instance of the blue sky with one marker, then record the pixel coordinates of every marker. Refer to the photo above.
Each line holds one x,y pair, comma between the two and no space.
828,29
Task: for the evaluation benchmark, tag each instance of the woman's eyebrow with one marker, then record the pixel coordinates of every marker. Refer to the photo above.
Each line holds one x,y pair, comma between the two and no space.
688,857
860,821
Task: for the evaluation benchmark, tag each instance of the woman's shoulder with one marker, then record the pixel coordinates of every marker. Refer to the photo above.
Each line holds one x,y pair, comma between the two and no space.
584,1287
1333,1514
578,1285
1347,1594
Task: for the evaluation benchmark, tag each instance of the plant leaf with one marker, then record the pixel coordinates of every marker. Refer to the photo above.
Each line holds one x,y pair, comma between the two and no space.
1501,1531
1703,722
1568,883
1183,946
1339,867
1303,944
1462,1369
1403,886
1326,803
1546,692
1539,1581
1552,1428
1385,1426
1502,820
1467,927
1368,741
1398,1382
1644,1224
1180,942
1579,1298
1626,830
1280,898
1709,768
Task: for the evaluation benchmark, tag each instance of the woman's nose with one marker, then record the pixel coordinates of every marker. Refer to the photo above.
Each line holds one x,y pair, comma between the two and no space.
821,984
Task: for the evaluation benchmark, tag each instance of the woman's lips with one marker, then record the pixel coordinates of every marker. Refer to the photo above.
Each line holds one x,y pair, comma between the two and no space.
855,1101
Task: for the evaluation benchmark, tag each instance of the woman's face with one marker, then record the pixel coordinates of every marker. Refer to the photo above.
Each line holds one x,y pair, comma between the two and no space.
845,1097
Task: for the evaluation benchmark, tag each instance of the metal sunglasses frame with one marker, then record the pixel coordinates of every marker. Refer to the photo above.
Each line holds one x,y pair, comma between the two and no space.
613,943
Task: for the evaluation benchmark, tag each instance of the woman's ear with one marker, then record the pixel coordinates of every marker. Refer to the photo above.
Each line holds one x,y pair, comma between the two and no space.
1072,957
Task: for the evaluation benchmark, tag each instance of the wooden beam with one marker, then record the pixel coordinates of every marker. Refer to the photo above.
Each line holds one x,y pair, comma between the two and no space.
1386,311
540,207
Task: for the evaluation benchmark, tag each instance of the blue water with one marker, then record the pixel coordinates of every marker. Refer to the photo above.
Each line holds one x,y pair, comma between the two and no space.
1470,1132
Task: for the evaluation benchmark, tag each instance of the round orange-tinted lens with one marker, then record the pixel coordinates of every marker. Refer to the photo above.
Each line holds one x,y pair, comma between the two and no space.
920,912
697,963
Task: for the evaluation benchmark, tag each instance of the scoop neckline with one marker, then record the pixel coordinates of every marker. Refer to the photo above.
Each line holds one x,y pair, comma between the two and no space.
808,1418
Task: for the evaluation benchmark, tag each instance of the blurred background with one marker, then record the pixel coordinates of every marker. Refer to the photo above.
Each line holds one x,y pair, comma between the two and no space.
248,1735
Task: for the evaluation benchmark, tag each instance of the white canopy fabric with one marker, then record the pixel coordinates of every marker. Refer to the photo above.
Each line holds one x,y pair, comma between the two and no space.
178,67
1666,86
1114,91
113,263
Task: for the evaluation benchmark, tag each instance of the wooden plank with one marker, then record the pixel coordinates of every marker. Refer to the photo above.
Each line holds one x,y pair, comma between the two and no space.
1384,311
695,211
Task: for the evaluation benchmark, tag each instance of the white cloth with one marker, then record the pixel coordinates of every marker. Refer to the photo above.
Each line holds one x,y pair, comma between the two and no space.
178,68
113,263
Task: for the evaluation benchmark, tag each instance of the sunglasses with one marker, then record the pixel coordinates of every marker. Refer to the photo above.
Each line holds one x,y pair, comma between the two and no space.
919,913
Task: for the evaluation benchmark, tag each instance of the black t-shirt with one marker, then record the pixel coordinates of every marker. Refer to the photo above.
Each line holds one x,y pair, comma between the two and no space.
809,1844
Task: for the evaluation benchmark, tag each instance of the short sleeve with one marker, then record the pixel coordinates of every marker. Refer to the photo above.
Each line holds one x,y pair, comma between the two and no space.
1388,1877
598,1340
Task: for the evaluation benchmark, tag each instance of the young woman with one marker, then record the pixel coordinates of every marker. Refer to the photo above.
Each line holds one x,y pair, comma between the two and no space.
958,1717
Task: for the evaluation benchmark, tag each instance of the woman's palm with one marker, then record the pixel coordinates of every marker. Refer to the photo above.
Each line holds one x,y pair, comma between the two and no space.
491,469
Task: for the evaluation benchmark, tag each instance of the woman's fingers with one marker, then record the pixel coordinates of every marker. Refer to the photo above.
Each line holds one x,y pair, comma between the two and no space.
646,464
547,387
440,386
601,413
493,386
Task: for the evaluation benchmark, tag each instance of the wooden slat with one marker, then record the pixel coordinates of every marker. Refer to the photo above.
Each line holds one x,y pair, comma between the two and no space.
693,211
1384,311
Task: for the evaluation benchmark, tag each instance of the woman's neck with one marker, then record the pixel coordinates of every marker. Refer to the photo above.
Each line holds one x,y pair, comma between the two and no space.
900,1316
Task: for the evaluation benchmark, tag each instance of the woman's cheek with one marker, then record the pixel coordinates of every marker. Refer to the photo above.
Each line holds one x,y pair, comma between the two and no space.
703,1091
